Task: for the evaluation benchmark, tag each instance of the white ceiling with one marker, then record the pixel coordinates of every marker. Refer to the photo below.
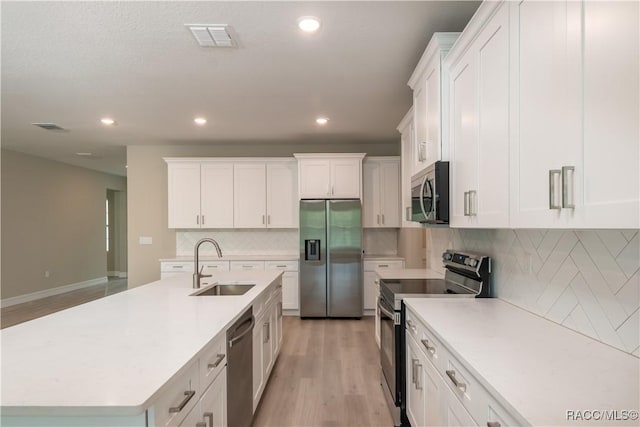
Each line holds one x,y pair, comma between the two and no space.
72,63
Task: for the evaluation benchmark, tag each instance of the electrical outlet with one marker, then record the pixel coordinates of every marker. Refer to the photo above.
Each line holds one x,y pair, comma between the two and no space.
47,273
144,240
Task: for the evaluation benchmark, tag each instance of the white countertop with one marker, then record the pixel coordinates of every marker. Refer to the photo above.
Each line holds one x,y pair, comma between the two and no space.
112,355
538,368
289,257
408,273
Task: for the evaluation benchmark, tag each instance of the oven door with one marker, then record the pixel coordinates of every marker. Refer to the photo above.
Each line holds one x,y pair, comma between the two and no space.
388,324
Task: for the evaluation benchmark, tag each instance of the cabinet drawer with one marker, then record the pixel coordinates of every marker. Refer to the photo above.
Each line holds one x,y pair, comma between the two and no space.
429,344
374,265
213,360
246,265
281,265
468,390
176,266
179,397
212,266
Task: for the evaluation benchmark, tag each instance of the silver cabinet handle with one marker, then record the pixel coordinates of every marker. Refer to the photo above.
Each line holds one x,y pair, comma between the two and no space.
210,416
263,219
198,219
177,266
202,219
333,189
407,213
466,203
552,188
265,327
422,151
472,203
247,266
418,372
568,202
215,364
281,266
430,348
378,219
493,424
268,219
382,219
279,309
414,362
187,397
411,325
452,376
383,265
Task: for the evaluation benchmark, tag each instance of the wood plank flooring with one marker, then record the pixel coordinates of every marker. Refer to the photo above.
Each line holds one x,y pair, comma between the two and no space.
19,313
327,374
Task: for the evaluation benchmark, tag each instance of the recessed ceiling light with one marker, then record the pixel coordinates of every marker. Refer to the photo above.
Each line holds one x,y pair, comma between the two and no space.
84,154
108,121
309,24
200,121
322,120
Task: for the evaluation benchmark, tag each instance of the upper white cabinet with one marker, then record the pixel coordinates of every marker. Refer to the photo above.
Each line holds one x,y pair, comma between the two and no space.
574,130
232,193
330,176
265,195
429,103
406,130
200,194
478,76
381,192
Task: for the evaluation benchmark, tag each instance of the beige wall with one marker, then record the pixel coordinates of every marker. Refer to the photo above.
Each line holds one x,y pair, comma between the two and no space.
52,219
147,192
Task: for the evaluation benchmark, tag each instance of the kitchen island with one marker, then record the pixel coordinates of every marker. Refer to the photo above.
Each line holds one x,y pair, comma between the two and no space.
109,362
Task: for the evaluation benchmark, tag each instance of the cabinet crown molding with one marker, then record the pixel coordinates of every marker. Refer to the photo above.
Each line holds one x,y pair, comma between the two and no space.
404,123
471,31
372,159
439,42
329,155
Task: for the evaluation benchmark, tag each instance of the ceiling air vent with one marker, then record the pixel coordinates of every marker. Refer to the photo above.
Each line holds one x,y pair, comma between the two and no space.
48,126
214,35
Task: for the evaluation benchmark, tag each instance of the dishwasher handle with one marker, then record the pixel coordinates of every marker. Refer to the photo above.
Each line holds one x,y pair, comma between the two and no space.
237,338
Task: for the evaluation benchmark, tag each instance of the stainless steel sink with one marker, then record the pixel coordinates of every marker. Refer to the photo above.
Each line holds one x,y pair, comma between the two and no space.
225,289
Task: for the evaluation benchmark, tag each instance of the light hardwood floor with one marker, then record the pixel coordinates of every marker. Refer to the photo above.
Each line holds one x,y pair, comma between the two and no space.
327,374
19,313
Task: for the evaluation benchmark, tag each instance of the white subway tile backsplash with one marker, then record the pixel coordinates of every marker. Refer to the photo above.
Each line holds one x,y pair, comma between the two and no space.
381,241
240,242
585,280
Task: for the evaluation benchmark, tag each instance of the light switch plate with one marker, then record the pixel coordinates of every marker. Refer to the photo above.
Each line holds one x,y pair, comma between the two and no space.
145,240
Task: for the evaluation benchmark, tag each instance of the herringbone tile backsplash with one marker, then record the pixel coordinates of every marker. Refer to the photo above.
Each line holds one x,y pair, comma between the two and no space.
586,280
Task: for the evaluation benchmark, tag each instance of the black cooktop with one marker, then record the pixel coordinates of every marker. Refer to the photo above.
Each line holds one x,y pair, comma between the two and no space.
394,290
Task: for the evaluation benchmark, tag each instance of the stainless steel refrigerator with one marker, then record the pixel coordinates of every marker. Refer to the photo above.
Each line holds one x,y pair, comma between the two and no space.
331,258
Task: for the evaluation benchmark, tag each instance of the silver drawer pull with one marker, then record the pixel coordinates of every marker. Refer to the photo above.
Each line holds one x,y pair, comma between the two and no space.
452,376
281,266
383,265
426,345
493,424
217,362
177,266
411,325
247,266
187,397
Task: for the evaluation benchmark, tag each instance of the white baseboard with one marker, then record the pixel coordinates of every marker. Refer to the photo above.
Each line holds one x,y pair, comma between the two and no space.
117,273
6,302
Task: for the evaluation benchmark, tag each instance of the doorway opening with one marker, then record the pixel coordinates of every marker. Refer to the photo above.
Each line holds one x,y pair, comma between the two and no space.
115,233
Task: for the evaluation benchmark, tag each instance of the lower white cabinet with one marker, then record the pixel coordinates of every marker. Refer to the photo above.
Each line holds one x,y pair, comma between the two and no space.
211,409
370,283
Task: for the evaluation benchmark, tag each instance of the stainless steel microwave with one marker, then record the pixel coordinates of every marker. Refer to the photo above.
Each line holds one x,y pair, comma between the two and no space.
430,195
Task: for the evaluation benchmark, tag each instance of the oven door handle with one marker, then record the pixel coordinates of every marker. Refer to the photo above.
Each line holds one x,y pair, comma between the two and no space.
384,310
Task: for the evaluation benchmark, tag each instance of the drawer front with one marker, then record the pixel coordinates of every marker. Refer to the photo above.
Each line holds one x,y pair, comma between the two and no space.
246,265
179,397
391,265
213,360
281,265
176,267
209,267
466,388
429,344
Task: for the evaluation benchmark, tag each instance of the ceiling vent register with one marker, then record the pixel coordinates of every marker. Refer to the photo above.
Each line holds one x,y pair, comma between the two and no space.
217,35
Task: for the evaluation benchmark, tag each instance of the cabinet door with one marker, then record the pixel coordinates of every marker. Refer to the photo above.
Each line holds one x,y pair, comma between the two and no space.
453,413
407,170
345,178
314,178
371,194
389,188
611,109
194,417
420,127
184,195
249,194
433,147
370,291
290,291
282,195
216,182
267,342
213,405
415,385
464,137
545,82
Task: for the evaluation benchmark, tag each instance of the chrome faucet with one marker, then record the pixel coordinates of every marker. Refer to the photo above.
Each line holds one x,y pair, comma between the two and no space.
197,275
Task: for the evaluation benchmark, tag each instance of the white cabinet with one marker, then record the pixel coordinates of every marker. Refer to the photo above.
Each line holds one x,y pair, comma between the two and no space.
381,192
371,284
406,129
479,126
329,176
211,410
290,289
200,195
265,195
429,103
415,393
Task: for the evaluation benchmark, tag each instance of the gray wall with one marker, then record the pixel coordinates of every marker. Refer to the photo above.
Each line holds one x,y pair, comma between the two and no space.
147,192
53,219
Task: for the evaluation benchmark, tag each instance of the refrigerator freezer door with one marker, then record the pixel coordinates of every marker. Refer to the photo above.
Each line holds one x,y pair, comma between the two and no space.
313,275
344,258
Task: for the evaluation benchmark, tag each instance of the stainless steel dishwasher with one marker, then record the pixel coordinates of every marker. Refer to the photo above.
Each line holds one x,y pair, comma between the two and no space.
240,371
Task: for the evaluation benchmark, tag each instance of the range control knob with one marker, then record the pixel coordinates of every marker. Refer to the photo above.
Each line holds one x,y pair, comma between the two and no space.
473,262
447,256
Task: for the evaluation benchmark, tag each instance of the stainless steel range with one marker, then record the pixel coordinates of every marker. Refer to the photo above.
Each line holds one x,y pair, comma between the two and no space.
467,276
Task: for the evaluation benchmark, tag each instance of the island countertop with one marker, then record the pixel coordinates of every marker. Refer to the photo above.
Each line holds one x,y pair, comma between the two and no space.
113,355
